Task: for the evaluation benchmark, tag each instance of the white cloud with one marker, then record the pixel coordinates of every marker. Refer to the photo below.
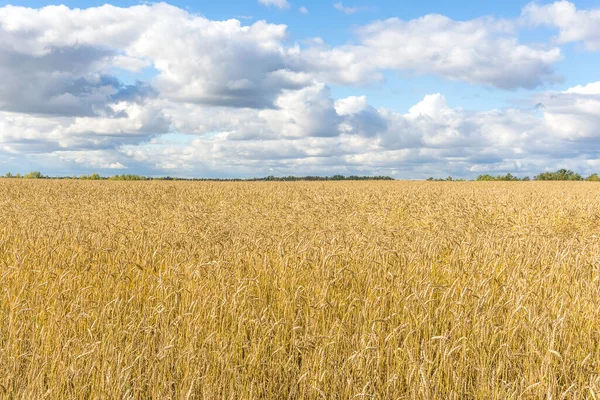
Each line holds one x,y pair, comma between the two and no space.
590,88
128,123
297,113
281,4
94,159
63,52
67,56
351,105
309,132
429,138
484,51
432,106
303,10
574,25
306,112
573,114
249,103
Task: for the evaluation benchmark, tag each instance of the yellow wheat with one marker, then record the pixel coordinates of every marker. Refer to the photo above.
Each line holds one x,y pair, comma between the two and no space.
336,290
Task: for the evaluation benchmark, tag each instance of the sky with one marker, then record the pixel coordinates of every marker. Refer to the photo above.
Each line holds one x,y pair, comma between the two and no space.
250,88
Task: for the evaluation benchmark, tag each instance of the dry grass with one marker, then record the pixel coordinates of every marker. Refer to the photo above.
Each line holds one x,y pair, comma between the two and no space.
299,290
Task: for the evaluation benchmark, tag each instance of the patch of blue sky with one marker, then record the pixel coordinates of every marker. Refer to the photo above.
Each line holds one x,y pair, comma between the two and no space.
176,138
579,66
131,77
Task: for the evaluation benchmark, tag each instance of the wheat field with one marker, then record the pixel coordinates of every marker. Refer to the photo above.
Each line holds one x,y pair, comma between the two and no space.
332,290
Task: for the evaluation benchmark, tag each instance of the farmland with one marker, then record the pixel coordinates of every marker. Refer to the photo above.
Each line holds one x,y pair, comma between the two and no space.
205,290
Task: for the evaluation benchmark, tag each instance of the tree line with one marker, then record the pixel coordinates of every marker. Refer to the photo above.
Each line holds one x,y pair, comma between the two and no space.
133,177
560,175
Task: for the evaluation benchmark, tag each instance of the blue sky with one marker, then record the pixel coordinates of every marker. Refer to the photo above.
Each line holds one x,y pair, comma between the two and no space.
407,89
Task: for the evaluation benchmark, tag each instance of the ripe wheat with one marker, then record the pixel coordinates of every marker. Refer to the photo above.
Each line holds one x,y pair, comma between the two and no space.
299,290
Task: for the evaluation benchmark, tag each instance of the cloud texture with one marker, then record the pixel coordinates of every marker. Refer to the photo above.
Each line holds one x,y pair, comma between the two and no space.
154,88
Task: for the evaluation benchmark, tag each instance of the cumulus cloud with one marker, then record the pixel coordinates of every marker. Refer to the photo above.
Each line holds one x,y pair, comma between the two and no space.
591,88
574,25
62,81
359,117
196,60
127,123
296,113
573,114
93,159
429,138
309,132
249,103
483,51
65,54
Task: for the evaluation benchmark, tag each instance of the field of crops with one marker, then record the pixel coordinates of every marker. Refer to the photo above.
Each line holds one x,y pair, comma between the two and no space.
333,290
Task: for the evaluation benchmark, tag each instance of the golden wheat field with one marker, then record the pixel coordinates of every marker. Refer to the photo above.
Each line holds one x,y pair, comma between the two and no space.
333,290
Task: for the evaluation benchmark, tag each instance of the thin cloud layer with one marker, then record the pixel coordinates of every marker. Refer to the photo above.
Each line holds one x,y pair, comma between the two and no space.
349,10
281,4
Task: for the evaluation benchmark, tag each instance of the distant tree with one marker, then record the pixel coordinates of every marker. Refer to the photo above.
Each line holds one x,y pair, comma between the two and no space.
128,177
292,178
34,175
526,178
8,175
448,179
131,177
560,175
92,177
593,178
508,177
486,177
544,176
